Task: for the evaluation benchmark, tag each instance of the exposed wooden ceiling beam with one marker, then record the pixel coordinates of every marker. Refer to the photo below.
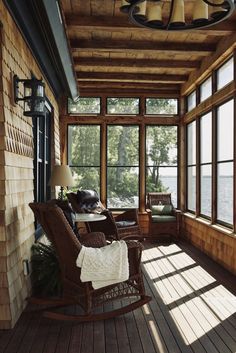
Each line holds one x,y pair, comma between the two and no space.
117,45
116,76
128,85
129,92
108,23
147,63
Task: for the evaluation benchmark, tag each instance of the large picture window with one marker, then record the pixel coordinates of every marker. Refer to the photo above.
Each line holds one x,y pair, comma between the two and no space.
84,155
161,160
122,166
225,143
205,164
123,106
159,106
191,166
225,74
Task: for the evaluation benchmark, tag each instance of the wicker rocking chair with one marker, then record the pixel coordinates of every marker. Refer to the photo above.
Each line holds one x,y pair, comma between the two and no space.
75,292
123,226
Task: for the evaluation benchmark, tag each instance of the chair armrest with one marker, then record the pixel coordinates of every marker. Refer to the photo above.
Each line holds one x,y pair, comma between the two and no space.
134,255
178,214
93,240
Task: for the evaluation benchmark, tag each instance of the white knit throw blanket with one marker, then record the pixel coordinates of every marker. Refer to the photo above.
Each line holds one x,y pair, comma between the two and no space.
104,266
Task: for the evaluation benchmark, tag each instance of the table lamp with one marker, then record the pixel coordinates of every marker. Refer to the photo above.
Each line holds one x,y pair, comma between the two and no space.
61,176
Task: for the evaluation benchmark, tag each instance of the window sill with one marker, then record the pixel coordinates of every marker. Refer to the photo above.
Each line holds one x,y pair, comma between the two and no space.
217,227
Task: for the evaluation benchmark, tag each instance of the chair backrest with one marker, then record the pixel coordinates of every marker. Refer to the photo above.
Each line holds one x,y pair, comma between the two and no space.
61,235
158,198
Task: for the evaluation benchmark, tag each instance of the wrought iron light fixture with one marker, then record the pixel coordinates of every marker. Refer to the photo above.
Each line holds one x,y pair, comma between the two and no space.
33,95
177,14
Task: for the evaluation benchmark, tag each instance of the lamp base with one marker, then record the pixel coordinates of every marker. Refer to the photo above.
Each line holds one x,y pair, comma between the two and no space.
60,196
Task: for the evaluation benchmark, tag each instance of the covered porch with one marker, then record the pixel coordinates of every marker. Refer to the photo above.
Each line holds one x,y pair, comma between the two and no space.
174,83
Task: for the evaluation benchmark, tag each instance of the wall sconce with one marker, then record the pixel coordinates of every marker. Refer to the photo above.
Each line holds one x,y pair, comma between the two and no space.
33,97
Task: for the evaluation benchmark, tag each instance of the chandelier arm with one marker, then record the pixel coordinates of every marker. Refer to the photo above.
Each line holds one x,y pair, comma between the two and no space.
216,5
170,15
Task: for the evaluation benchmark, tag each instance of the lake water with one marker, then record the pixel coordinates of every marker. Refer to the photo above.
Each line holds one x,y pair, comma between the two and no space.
225,197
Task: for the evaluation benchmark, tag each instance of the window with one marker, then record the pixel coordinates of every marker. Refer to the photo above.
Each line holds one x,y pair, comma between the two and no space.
127,106
122,166
206,89
84,155
161,160
161,106
191,101
225,74
225,142
42,159
205,164
191,166
85,105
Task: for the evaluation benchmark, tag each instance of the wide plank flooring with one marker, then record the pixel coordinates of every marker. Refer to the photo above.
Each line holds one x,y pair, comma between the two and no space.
193,311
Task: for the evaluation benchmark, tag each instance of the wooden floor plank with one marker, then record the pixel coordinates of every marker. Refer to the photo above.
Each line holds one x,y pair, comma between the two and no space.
193,310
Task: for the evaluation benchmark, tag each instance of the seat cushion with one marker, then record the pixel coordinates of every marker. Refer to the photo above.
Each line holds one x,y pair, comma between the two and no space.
162,209
163,218
121,224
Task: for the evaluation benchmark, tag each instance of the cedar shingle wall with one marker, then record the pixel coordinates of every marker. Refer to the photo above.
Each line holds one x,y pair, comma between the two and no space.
16,171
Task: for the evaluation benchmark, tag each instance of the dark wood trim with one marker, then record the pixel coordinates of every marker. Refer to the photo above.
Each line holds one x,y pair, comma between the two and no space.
234,162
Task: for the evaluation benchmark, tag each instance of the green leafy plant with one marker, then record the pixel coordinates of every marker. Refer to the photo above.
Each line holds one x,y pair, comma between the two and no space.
46,275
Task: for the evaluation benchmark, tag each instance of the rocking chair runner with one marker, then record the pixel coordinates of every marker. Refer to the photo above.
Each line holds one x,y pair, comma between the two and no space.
75,292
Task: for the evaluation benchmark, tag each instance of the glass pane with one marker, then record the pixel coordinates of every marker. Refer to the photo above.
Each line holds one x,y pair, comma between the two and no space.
191,202
86,178
206,190
123,145
122,187
86,105
84,145
161,106
225,192
123,106
161,145
162,179
206,138
191,143
225,129
191,101
225,74
206,89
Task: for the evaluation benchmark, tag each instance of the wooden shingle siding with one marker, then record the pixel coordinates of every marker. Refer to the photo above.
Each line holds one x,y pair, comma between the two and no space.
16,170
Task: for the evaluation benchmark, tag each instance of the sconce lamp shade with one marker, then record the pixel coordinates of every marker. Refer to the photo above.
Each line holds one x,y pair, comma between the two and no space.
61,176
33,96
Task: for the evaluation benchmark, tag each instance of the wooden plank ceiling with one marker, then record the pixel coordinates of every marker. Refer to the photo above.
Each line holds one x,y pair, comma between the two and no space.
112,55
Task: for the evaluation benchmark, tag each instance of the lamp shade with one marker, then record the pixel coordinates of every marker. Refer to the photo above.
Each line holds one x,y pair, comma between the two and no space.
61,176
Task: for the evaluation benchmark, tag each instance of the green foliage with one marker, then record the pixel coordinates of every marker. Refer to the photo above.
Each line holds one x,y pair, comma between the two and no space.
123,152
123,105
46,279
86,105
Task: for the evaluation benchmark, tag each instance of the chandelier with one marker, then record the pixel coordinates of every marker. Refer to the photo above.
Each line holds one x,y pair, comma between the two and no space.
177,14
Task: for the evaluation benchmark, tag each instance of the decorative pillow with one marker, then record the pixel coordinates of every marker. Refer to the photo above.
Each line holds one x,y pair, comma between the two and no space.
87,197
68,213
162,209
